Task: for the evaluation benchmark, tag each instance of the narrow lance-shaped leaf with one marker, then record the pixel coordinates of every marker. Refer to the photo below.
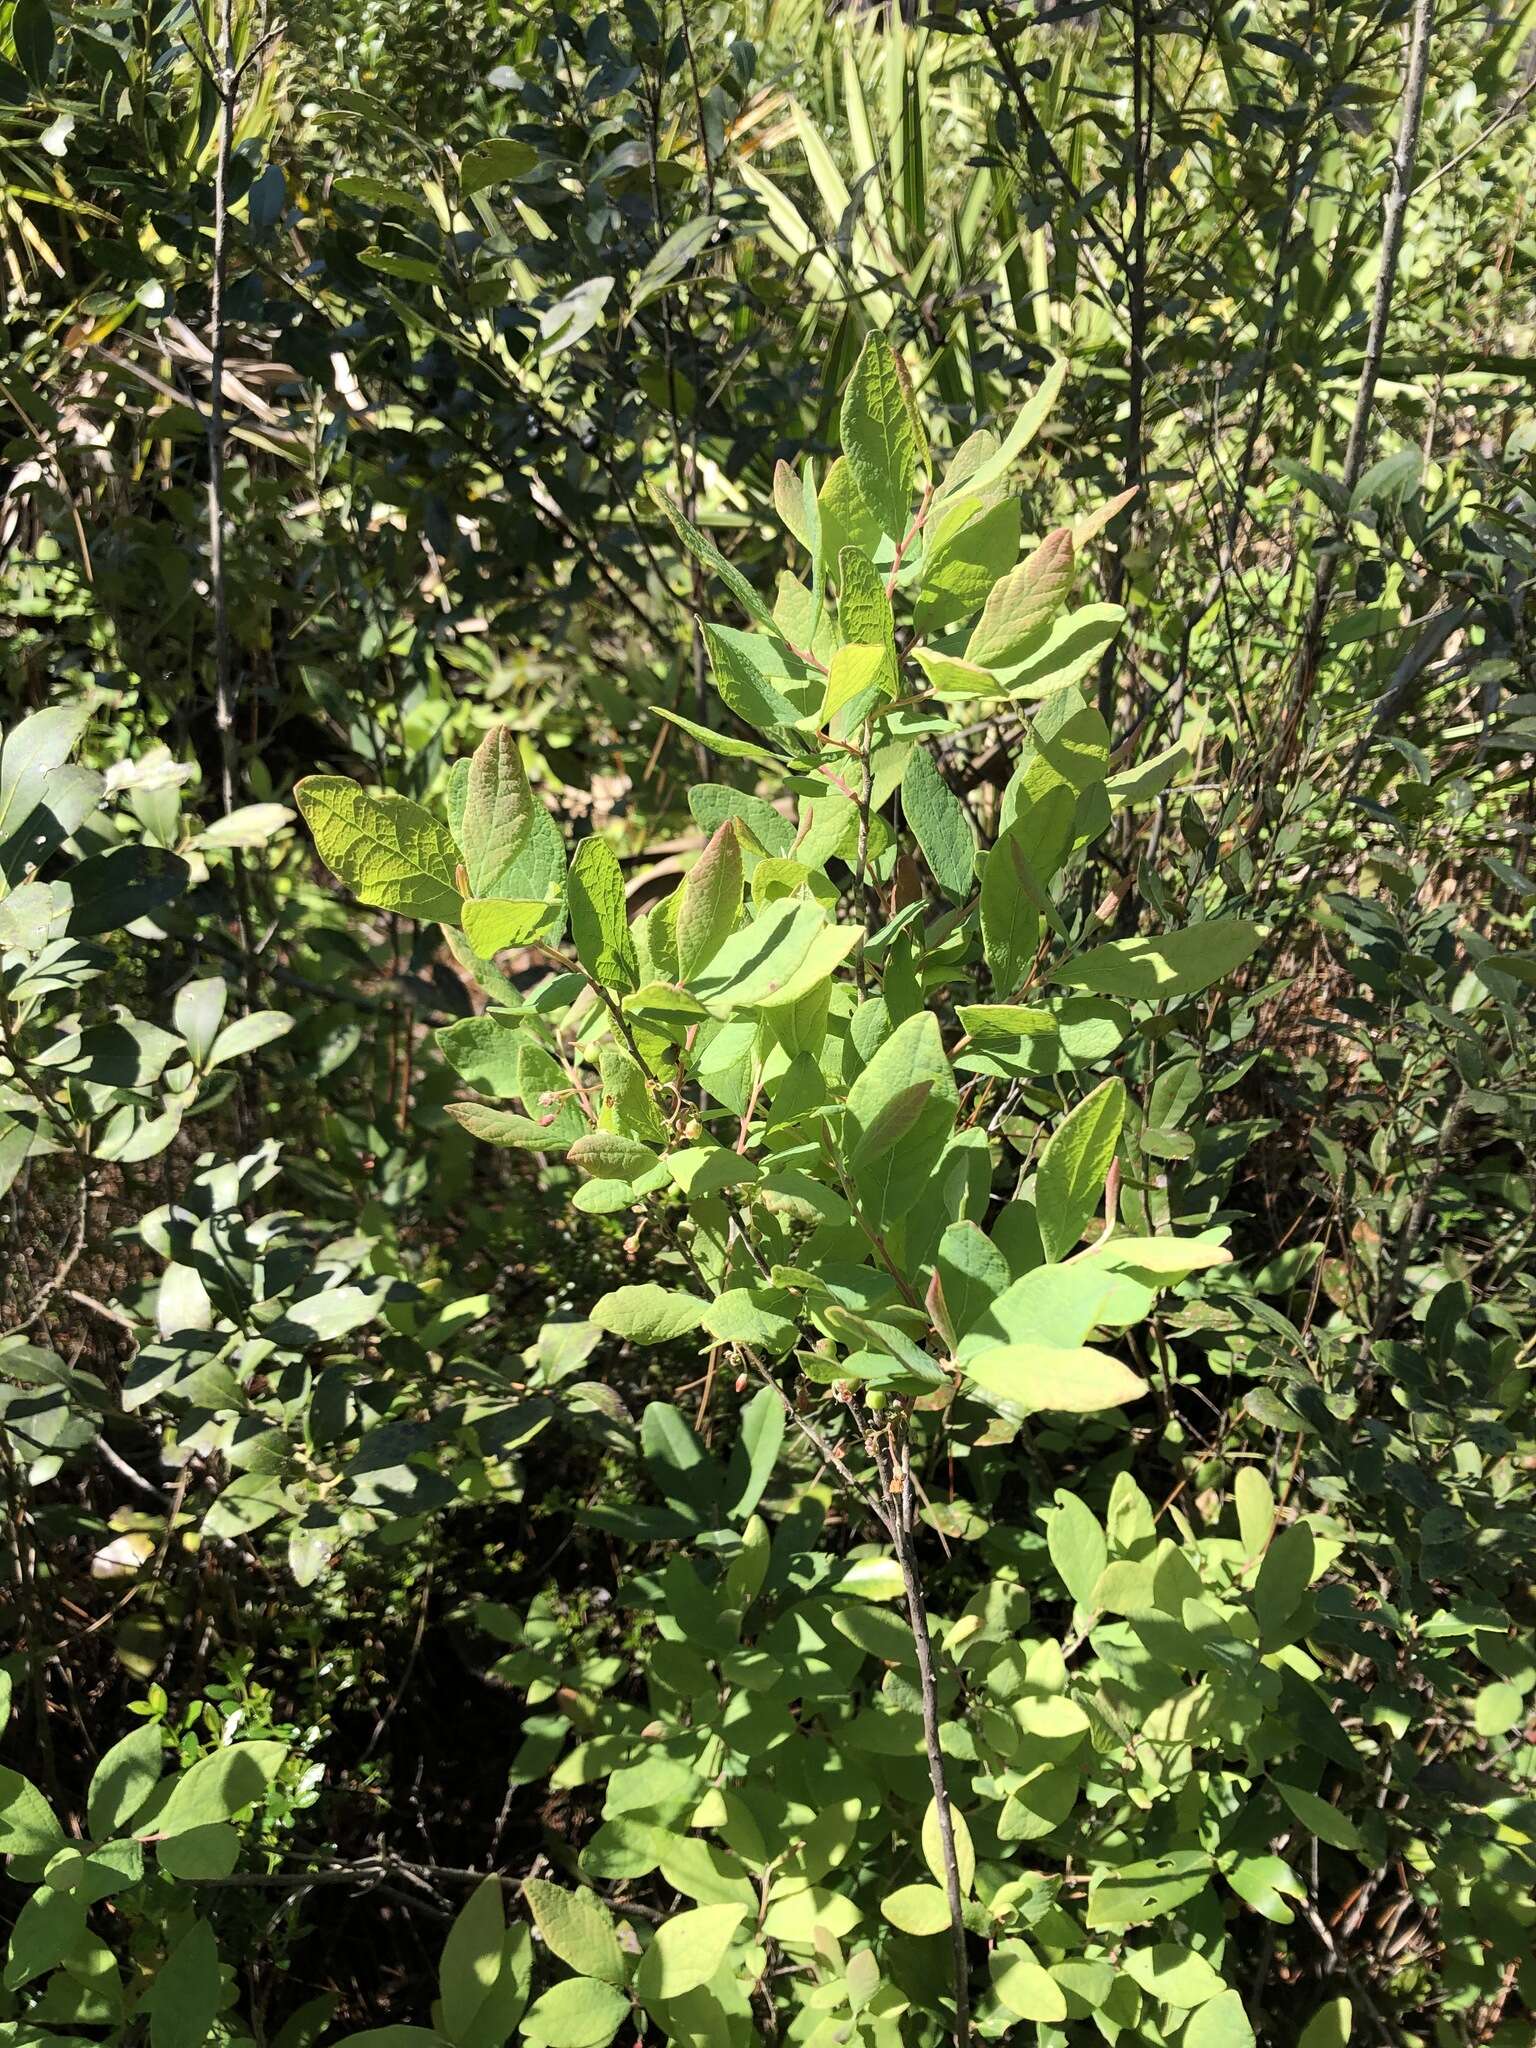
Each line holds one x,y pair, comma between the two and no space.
1027,598
940,823
1069,1182
599,921
704,550
499,810
1013,899
709,901
742,684
1030,419
1162,967
863,609
811,518
878,441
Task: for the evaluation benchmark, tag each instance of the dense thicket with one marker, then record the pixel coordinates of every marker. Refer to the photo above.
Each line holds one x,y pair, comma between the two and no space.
911,641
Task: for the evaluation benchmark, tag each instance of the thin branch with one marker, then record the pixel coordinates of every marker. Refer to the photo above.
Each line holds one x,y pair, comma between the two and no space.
1395,213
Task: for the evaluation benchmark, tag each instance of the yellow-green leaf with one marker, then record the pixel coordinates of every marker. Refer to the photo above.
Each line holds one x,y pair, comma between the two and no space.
389,851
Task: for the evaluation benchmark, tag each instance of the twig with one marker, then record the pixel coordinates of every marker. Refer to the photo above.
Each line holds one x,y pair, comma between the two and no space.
922,1642
1395,213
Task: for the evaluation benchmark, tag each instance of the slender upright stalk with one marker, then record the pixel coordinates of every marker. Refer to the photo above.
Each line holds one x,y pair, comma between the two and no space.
226,76
1394,215
922,1642
898,1522
224,703
1134,245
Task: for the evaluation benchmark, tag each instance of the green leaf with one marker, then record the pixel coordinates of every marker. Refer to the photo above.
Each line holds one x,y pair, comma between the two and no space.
971,1273
531,868
704,550
1005,1023
484,1051
1024,1986
35,746
771,962
217,1787
894,1134
1060,1306
1499,1708
1057,656
764,829
1255,1509
381,193
789,500
863,608
396,2037
580,2012
388,851
248,1034
648,1314
1077,1545
673,258
1031,417
32,32
1035,1376
686,1951
743,683
953,679
1069,1182
761,1437
688,1478
745,1573
27,1823
499,812
578,1928
972,550
1265,1882
760,1316
853,670
891,1123
846,521
111,889
1283,1578
1162,1259
599,916
1149,1889
1025,600
940,823
1156,969
723,743
933,1846
200,1853
1177,1976
709,901
184,1998
496,161
1221,2023
1330,2026
124,1779
1013,896
495,922
1321,1818
505,1127
878,442
604,1155
918,1909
